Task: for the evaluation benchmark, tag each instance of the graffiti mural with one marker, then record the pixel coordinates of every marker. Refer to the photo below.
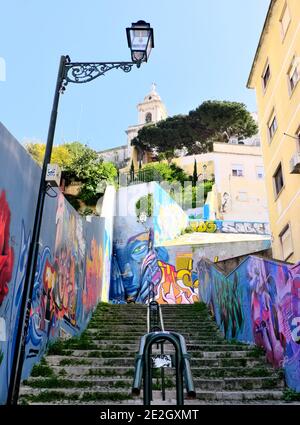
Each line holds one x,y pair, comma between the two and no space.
204,226
69,274
68,282
258,303
245,227
230,227
6,251
141,272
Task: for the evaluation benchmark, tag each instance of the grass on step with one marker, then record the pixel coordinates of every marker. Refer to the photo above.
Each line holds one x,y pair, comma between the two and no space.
49,396
98,396
73,362
42,369
107,373
83,342
108,354
256,352
57,383
290,395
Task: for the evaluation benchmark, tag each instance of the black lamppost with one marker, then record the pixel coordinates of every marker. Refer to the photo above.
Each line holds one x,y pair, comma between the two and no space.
140,41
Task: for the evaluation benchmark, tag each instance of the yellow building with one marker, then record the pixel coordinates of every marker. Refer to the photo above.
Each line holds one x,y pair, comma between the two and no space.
275,76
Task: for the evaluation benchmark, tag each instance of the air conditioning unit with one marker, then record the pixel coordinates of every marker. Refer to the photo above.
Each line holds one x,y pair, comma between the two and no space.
295,164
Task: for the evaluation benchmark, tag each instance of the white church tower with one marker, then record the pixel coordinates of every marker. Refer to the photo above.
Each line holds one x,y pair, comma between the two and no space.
151,110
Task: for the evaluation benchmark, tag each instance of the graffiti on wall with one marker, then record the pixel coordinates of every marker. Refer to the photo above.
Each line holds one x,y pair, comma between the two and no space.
204,226
245,227
169,219
68,282
141,272
69,272
6,251
258,302
220,226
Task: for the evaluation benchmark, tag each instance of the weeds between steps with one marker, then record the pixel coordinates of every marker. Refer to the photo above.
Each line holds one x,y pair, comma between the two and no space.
290,395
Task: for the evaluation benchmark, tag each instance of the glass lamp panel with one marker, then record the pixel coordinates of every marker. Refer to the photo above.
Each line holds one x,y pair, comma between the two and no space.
139,39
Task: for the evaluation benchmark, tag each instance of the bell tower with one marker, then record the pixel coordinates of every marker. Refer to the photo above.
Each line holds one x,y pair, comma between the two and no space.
150,111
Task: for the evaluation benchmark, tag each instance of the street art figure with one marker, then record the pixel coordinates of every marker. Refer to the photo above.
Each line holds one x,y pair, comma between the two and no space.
6,251
225,202
265,312
141,272
135,270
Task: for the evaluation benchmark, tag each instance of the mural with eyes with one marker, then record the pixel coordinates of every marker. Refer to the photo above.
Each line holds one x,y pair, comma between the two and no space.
141,272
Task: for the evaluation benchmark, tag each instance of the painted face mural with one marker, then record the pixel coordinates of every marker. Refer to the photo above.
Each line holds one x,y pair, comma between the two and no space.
6,251
141,272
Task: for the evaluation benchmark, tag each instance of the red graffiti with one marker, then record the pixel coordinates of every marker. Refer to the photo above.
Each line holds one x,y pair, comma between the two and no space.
6,252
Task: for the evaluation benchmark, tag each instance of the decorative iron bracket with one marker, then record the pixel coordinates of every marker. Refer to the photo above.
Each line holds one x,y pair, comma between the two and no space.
84,72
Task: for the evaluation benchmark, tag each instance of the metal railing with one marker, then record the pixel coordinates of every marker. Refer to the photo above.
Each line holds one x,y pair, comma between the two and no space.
144,359
155,321
140,176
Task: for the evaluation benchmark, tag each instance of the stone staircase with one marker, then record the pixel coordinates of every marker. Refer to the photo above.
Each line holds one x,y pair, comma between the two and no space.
98,367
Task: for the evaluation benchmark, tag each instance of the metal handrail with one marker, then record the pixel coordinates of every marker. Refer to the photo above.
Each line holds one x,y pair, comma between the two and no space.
143,366
155,321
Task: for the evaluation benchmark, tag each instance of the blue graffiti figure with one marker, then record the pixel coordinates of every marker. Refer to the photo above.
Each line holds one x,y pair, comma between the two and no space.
136,272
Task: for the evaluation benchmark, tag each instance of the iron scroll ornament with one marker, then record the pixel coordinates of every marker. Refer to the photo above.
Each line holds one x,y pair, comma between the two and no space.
84,72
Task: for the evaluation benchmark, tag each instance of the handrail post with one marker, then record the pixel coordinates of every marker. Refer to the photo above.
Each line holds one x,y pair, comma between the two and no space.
182,366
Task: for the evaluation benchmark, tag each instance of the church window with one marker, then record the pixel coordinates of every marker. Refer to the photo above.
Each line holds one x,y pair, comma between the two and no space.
148,117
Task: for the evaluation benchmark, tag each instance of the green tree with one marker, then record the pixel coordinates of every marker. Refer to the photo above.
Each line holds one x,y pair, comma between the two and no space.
97,176
226,119
168,172
195,174
81,163
132,171
60,154
195,132
84,160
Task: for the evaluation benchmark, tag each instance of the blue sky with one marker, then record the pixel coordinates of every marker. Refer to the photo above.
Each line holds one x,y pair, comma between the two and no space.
203,50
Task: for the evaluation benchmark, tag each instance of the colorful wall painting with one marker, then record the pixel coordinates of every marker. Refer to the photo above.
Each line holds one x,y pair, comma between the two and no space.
69,274
258,303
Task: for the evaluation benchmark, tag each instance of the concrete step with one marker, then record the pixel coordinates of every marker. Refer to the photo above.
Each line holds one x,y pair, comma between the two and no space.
98,383
99,367
84,353
198,372
108,345
209,372
92,370
107,394
241,361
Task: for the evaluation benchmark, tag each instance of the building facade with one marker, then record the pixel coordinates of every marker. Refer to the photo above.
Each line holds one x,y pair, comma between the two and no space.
239,192
275,75
118,156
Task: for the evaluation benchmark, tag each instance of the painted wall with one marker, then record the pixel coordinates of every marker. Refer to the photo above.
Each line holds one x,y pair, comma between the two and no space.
259,302
169,219
142,270
70,275
139,266
222,226
146,259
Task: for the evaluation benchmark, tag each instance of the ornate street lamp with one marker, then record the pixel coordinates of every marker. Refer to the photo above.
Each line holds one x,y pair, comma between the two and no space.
140,42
